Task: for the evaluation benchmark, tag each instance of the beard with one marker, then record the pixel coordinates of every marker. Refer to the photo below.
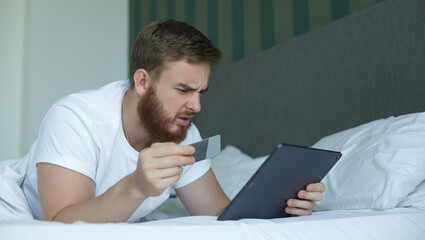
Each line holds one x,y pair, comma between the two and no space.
157,122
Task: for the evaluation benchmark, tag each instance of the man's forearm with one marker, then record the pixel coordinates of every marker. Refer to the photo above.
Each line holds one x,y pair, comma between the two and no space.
117,204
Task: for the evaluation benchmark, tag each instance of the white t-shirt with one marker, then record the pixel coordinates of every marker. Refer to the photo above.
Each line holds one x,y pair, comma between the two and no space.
83,132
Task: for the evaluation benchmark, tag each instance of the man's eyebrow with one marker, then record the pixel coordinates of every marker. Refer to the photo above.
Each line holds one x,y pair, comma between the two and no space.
186,87
190,88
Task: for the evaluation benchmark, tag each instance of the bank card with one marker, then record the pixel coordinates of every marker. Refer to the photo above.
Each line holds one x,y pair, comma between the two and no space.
207,148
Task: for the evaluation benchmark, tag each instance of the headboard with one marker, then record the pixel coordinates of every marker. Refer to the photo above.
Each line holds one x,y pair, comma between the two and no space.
367,66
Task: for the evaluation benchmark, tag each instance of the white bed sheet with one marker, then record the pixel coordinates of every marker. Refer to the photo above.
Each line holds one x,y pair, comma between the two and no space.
398,223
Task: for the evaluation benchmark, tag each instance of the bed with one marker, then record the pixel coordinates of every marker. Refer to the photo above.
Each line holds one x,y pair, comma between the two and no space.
356,85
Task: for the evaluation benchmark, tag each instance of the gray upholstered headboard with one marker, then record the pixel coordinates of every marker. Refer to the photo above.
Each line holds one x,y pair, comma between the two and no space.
366,66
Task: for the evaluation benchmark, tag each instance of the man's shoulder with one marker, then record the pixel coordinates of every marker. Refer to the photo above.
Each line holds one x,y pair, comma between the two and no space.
99,104
111,92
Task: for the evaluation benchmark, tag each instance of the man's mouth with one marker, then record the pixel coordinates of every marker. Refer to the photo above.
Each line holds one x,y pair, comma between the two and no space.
184,120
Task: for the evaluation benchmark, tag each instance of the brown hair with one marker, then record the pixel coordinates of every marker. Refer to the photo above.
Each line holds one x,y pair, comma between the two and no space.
170,40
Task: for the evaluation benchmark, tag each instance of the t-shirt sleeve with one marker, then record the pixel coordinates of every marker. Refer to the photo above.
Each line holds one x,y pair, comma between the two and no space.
65,140
198,169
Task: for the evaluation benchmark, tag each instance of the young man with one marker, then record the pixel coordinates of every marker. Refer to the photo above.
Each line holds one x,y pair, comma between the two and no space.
112,154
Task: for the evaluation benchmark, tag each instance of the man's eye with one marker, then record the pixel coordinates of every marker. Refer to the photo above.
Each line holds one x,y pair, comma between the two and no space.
182,90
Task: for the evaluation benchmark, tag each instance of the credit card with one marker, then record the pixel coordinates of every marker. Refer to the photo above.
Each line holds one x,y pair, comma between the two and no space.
207,148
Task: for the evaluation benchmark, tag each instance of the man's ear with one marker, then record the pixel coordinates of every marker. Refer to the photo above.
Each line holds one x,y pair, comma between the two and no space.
142,81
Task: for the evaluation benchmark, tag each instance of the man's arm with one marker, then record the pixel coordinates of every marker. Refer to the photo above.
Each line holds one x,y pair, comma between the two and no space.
69,196
205,197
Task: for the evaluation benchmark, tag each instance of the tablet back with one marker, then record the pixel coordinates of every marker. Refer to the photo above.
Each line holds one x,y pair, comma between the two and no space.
287,170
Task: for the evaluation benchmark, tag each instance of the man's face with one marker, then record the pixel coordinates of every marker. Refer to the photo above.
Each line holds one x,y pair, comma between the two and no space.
169,105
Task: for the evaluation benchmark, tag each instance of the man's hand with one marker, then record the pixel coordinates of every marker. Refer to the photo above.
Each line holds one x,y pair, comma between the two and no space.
160,166
304,205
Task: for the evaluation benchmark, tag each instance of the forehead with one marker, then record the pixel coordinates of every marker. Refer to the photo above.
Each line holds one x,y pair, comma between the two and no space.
195,74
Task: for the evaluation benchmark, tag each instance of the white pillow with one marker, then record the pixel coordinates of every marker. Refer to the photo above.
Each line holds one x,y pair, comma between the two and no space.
415,199
383,162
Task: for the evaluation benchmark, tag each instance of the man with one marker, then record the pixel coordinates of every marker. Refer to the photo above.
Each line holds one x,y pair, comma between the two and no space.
112,154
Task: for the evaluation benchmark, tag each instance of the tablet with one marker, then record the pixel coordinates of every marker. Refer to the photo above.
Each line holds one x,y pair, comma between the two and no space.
286,171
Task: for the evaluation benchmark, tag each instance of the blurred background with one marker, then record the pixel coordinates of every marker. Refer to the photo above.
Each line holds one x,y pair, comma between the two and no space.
51,48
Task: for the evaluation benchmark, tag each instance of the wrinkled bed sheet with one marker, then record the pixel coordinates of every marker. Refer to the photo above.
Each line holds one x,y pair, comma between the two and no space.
401,223
13,204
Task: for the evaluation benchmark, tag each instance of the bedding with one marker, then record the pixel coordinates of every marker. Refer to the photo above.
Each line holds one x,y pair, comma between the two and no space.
415,199
233,169
401,223
382,167
13,204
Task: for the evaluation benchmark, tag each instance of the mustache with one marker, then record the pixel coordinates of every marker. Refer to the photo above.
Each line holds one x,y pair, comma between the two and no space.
189,114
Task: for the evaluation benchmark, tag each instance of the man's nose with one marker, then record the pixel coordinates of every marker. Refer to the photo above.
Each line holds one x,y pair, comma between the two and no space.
194,103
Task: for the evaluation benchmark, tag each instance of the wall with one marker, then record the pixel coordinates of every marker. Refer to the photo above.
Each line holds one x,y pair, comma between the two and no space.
58,47
241,28
12,43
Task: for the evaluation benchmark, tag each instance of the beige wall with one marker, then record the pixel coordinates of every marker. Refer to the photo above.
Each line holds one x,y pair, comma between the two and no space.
52,48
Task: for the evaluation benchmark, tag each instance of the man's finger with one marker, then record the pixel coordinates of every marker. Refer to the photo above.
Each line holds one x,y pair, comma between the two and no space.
170,149
173,161
311,196
169,172
316,187
296,203
297,211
